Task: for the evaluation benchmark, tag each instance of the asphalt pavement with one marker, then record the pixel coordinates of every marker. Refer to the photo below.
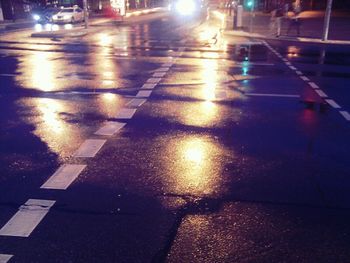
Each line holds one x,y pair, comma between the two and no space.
165,140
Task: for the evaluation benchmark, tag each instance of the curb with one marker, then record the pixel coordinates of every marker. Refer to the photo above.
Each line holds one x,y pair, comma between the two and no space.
59,34
282,38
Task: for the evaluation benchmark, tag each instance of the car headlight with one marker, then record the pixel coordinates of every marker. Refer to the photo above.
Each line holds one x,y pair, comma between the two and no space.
186,7
36,17
54,17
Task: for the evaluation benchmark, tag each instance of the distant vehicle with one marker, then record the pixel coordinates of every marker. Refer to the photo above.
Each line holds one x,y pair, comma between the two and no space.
44,15
187,7
69,15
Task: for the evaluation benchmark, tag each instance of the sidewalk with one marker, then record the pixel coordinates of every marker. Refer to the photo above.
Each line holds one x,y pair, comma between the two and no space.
311,27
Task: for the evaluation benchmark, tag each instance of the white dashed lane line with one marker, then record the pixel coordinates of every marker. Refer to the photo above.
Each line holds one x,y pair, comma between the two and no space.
27,218
144,93
89,148
333,104
345,114
64,177
321,93
163,69
167,65
149,86
159,74
299,72
136,102
272,95
4,258
154,80
126,113
305,78
313,85
110,128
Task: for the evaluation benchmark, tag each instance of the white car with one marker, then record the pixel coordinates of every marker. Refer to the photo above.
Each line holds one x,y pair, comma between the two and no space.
69,15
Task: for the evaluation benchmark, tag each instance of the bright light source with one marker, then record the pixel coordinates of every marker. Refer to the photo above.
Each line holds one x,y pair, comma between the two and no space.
68,26
55,27
36,17
48,27
186,7
38,28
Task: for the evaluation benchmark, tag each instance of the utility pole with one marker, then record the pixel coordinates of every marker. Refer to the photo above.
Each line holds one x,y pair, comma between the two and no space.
327,18
86,14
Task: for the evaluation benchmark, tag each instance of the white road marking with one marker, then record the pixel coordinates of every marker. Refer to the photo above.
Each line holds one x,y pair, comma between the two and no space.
314,85
154,80
5,258
293,68
8,75
288,63
321,93
89,148
27,218
333,104
136,102
144,93
110,128
167,65
149,86
305,78
126,113
299,72
272,95
164,69
345,114
63,177
285,60
159,74
254,64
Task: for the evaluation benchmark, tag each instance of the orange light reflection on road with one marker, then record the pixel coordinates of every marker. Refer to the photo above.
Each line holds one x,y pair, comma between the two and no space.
39,71
194,169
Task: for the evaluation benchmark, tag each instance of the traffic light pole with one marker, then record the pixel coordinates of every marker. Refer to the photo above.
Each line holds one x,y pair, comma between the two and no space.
86,14
327,18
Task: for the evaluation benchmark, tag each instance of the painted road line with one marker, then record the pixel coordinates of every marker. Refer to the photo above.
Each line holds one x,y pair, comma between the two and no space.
285,60
345,114
167,65
272,95
5,258
144,93
126,113
333,104
110,128
8,75
136,102
89,148
149,86
64,177
27,218
292,67
288,63
314,85
165,69
159,74
154,80
299,72
305,78
321,93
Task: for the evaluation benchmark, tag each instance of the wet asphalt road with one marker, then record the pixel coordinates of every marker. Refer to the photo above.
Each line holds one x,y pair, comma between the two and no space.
229,157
